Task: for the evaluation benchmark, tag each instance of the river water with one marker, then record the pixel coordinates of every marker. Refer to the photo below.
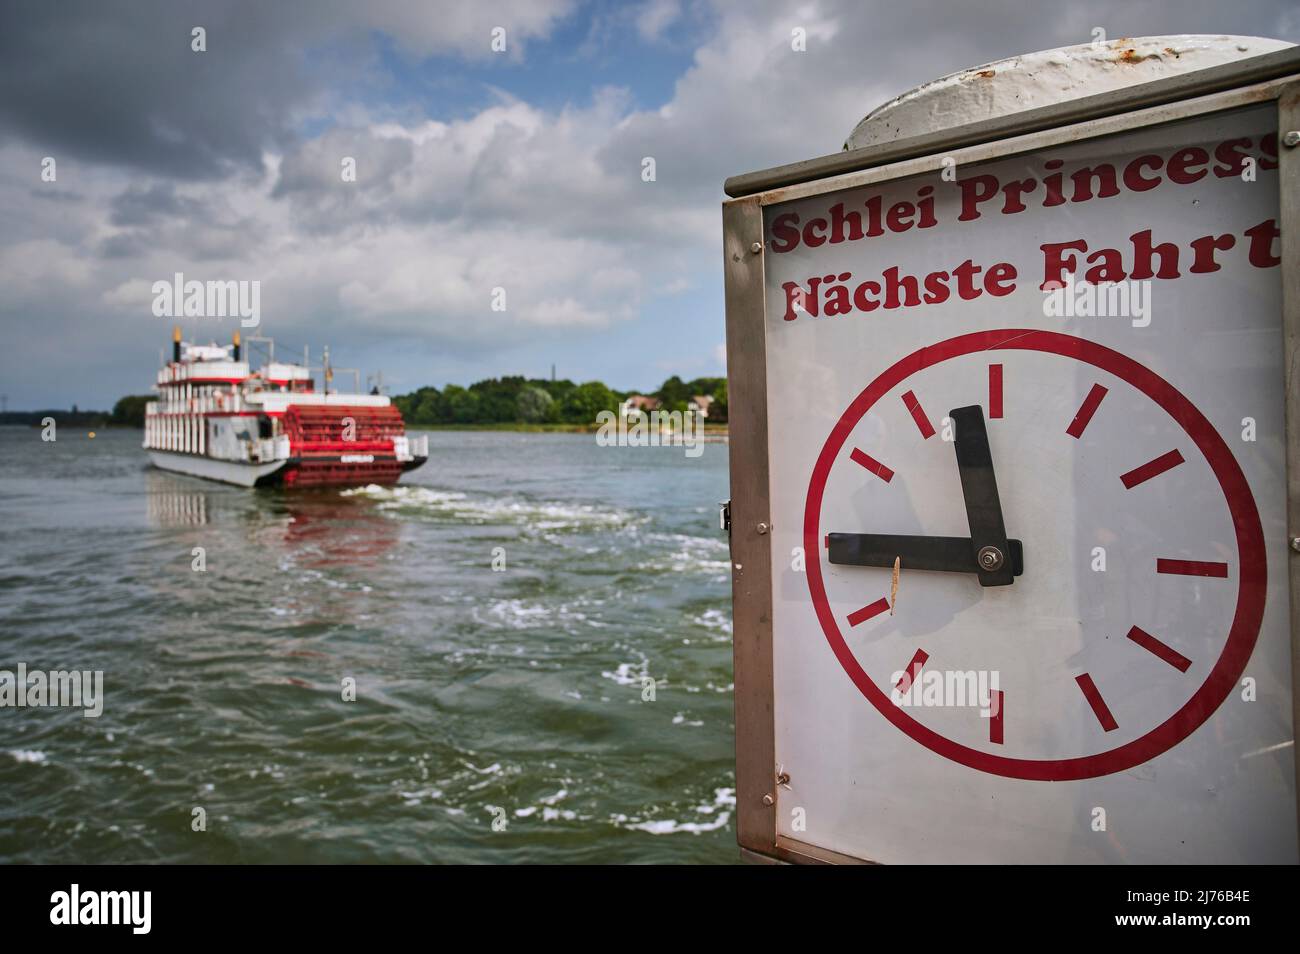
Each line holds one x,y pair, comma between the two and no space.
501,715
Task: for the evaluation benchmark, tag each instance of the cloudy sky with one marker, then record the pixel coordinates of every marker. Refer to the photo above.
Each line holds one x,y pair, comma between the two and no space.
475,169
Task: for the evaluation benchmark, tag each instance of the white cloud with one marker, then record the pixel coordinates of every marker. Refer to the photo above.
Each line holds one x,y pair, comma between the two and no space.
655,16
465,29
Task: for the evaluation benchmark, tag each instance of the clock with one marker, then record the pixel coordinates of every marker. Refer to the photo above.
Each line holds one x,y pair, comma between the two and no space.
1036,512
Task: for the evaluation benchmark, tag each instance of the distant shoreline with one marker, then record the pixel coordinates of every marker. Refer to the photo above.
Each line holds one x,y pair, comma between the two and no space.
711,431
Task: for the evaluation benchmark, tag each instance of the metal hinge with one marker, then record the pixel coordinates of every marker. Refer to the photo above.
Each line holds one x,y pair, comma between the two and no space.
724,516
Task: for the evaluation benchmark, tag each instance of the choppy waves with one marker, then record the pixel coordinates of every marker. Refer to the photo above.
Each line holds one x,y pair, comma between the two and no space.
478,509
542,669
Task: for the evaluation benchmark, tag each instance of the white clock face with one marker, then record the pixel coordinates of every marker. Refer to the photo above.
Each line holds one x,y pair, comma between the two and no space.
1143,579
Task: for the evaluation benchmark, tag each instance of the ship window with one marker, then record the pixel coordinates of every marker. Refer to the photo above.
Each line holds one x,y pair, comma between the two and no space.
264,427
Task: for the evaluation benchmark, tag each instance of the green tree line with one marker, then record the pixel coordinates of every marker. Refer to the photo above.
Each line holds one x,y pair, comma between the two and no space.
516,399
128,412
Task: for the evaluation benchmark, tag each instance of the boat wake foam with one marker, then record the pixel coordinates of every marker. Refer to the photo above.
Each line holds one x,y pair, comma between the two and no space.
460,507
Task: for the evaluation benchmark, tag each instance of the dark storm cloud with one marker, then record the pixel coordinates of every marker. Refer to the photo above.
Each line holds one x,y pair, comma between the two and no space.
158,216
311,177
143,205
118,83
125,245
55,195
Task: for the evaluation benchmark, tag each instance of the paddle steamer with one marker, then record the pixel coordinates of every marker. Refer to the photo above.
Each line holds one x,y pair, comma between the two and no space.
218,419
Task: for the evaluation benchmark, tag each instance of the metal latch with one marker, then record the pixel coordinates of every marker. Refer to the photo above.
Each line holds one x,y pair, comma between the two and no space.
724,516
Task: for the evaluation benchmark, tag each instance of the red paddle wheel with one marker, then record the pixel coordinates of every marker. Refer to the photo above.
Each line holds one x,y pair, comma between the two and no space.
322,455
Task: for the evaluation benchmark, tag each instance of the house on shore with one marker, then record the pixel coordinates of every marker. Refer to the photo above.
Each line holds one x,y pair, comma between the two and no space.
636,404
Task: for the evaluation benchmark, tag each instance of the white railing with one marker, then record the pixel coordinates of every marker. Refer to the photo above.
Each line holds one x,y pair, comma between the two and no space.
409,448
265,449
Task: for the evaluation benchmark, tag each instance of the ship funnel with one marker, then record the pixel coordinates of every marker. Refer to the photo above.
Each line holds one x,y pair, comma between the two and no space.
176,344
236,341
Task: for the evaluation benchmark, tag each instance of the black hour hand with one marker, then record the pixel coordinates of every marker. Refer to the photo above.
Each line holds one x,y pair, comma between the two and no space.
951,554
979,488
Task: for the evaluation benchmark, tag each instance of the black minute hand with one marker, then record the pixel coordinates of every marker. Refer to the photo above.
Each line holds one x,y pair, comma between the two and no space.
979,487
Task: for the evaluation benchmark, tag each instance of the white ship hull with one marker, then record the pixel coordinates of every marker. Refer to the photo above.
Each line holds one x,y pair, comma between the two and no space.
228,472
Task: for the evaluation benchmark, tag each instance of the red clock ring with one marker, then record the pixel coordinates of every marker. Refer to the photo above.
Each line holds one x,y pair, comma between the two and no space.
1252,560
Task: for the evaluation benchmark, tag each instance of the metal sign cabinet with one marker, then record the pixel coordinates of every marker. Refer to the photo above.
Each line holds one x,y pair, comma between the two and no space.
1016,486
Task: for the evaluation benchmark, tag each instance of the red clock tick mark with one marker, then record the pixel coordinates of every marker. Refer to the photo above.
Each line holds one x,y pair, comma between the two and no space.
1153,468
1095,700
1192,568
1086,410
875,609
918,414
913,671
995,390
1157,648
871,464
995,717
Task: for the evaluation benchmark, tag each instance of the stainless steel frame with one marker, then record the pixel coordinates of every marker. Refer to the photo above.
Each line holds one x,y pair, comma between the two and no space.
1288,119
1274,77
